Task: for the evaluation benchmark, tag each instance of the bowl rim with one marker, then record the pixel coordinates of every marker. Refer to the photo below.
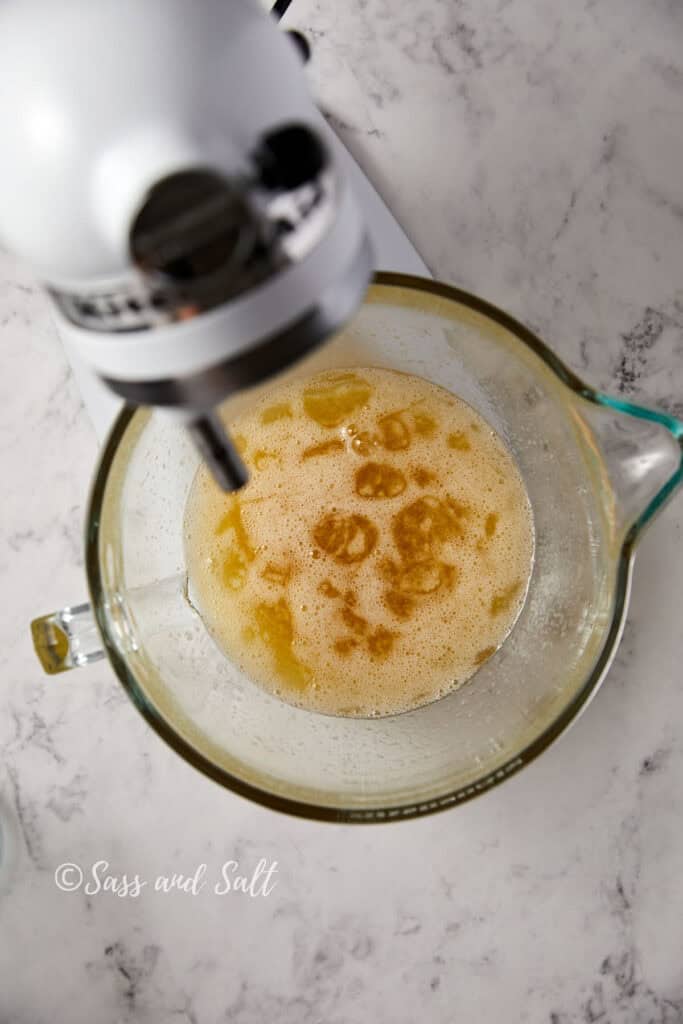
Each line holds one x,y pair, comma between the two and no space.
375,814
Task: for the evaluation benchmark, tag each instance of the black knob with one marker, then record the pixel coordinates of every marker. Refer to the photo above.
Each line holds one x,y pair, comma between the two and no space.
290,157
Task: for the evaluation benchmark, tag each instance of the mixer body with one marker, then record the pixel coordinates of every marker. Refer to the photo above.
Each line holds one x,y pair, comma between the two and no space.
165,176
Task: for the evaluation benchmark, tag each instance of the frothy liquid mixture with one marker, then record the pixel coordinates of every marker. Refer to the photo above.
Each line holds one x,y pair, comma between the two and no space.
379,554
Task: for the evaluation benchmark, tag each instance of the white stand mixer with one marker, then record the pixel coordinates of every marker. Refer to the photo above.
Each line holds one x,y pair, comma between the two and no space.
170,181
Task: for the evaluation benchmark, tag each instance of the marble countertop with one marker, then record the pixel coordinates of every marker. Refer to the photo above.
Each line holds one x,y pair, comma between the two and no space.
533,153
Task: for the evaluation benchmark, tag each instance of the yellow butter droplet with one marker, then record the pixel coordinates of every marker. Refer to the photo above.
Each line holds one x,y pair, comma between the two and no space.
458,441
274,626
331,399
280,411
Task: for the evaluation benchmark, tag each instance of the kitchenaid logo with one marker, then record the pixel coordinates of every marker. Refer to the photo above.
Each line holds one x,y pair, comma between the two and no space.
98,879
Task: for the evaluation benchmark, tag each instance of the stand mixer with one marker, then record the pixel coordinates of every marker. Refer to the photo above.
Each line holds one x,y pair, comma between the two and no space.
169,180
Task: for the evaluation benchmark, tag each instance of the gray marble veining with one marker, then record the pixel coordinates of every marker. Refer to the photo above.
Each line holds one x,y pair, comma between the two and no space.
533,152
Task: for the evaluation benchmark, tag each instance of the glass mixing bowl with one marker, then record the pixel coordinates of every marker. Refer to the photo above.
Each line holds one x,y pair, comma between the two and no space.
596,470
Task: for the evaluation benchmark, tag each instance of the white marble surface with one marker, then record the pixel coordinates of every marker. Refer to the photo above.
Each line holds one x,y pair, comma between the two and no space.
534,154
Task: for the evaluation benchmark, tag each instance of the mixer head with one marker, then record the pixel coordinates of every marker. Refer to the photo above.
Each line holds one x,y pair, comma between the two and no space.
169,183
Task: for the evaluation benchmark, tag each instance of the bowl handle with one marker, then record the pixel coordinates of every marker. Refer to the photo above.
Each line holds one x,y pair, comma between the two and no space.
67,639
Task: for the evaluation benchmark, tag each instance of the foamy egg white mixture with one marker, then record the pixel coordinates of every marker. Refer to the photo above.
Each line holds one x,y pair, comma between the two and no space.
380,552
